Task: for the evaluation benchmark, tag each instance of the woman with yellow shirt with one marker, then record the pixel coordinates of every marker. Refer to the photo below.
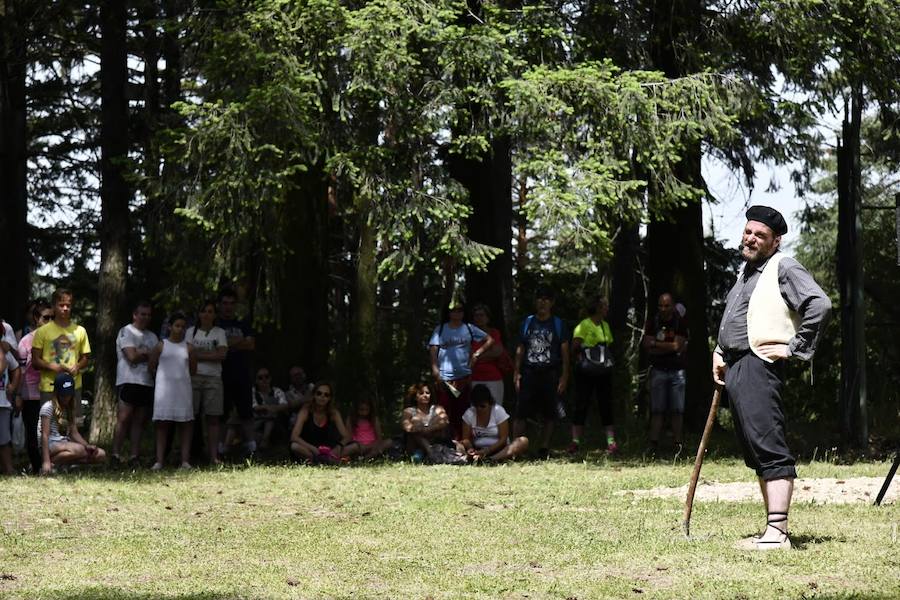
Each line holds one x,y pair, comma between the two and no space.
591,348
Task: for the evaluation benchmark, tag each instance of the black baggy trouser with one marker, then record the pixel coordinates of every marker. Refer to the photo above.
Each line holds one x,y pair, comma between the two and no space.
754,390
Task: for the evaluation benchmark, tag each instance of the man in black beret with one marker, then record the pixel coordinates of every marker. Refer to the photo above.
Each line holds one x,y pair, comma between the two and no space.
774,312
767,216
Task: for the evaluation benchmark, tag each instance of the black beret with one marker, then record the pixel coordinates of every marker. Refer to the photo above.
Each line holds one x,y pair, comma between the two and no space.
767,216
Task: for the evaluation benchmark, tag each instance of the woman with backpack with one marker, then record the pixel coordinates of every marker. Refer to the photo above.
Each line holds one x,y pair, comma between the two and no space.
591,347
452,359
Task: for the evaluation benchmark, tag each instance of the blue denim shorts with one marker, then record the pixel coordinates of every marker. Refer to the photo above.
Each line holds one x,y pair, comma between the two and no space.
667,391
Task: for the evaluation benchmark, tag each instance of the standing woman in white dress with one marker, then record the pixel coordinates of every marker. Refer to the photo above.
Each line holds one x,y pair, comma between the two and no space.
174,361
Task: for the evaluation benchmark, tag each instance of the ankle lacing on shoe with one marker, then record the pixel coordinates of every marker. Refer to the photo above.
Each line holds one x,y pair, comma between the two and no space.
782,517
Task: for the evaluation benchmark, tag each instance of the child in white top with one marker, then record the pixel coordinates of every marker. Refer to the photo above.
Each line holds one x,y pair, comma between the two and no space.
173,362
61,443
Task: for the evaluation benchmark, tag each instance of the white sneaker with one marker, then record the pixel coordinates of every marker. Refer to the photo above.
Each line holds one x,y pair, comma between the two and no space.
157,466
185,466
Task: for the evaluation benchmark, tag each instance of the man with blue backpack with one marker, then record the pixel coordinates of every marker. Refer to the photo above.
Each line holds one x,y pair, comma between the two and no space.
541,368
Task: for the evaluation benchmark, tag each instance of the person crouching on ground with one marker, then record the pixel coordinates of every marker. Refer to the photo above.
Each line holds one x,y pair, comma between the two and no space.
61,443
486,430
319,434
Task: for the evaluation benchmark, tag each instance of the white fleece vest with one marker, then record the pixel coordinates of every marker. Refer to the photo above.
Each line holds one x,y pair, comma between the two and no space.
768,317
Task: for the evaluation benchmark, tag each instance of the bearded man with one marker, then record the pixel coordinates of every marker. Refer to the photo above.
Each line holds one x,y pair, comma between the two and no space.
774,313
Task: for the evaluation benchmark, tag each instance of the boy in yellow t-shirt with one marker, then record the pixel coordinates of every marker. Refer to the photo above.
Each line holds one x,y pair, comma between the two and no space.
60,346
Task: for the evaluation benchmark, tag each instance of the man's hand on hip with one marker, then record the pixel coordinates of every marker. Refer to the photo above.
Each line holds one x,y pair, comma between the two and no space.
774,350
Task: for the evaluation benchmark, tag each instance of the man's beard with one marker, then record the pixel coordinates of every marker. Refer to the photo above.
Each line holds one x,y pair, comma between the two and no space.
757,259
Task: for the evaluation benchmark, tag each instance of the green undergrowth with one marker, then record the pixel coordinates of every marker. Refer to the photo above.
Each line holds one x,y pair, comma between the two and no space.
547,529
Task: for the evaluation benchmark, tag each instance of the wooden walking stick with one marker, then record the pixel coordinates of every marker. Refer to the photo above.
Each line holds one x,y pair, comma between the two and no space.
698,462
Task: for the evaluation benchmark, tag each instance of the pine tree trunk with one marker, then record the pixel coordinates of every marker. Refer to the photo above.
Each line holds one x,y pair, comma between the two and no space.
850,271
489,182
676,266
146,263
363,338
162,90
114,216
627,244
388,371
412,321
301,332
15,275
151,115
675,240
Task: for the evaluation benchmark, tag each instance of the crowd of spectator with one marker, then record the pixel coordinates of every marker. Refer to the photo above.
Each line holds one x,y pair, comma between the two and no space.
194,383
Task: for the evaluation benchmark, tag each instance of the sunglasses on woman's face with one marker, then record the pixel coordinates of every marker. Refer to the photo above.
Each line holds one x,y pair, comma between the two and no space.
45,317
321,393
263,376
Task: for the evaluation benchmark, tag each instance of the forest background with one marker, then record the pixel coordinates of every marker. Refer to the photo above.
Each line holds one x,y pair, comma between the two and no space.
347,166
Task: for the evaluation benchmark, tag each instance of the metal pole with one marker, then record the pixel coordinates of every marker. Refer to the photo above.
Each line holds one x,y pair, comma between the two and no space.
887,480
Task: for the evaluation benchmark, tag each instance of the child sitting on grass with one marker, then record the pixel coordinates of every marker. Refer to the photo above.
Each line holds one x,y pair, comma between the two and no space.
365,429
61,444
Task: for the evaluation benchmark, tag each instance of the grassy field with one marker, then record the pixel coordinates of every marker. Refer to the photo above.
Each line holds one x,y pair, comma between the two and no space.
548,529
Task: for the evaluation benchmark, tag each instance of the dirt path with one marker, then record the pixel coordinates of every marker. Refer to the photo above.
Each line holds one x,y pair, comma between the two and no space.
814,491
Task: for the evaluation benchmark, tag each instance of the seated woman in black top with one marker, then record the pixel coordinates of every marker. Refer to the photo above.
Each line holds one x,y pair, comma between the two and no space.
319,434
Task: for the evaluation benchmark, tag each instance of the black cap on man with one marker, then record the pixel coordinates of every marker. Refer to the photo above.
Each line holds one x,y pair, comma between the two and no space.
767,216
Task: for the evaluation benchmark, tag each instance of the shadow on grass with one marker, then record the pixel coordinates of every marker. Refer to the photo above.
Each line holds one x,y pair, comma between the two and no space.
800,542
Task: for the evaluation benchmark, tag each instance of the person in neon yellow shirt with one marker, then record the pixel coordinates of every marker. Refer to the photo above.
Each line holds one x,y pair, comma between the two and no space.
60,346
592,332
